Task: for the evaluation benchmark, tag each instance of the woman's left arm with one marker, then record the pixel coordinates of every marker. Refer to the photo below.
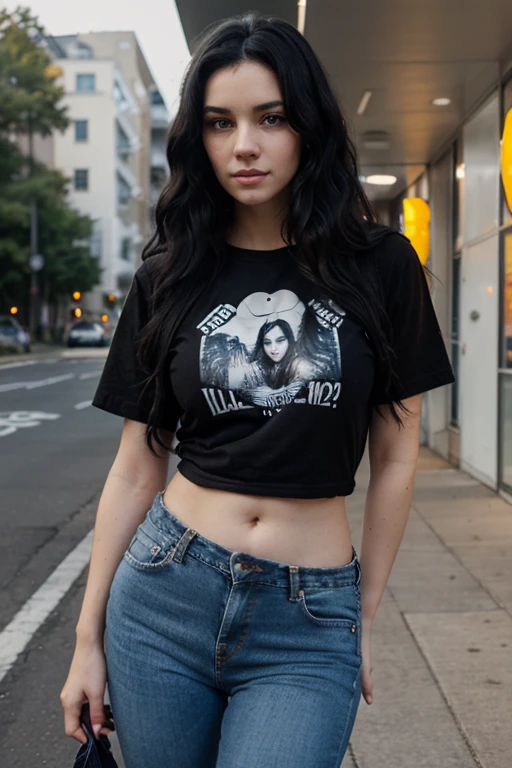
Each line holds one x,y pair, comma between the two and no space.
393,456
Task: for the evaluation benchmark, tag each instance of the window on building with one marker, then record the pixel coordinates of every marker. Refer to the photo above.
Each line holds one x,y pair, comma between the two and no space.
123,191
81,178
119,96
81,130
126,245
86,83
156,98
123,142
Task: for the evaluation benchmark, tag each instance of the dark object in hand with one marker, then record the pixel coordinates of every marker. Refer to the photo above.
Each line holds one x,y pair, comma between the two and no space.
95,753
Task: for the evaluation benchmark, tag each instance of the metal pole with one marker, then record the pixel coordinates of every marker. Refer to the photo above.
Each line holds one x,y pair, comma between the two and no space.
34,283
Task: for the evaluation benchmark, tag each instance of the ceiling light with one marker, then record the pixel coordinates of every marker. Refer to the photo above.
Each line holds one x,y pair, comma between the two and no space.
364,101
381,179
376,140
301,15
442,102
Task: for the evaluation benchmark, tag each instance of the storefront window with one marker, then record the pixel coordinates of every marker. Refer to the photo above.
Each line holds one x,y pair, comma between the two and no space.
506,432
505,386
457,230
507,301
507,105
458,196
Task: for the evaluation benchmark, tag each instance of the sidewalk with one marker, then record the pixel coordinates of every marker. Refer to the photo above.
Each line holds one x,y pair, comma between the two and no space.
41,351
442,638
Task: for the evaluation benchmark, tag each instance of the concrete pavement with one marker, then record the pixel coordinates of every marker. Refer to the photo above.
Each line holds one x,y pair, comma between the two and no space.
442,638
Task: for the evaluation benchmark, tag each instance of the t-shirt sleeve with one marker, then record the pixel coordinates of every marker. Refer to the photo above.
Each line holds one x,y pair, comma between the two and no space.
120,389
422,362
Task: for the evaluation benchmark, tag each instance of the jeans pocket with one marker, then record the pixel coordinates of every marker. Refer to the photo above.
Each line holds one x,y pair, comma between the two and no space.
148,550
332,606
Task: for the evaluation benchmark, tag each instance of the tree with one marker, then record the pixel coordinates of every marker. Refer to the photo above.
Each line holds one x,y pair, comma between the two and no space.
29,95
31,104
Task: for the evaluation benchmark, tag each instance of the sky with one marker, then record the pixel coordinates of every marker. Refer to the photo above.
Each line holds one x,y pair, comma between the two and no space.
155,22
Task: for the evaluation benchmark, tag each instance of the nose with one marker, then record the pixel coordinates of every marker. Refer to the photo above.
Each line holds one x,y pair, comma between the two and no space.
245,143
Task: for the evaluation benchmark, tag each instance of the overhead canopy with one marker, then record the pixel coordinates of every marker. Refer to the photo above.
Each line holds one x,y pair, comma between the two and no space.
406,54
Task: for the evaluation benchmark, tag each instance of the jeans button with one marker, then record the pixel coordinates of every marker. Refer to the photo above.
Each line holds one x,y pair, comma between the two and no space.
238,566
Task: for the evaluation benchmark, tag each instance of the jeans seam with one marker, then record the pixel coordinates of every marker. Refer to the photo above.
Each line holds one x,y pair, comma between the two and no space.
349,712
329,622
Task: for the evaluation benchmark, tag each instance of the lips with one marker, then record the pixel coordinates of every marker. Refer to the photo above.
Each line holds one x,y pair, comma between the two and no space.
250,172
250,177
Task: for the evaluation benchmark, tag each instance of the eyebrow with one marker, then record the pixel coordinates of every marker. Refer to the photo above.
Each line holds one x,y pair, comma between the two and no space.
258,108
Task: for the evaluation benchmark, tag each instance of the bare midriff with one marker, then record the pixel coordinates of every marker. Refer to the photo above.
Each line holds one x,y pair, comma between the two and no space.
312,533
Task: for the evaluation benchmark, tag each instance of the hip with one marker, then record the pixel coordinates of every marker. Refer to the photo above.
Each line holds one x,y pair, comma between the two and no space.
307,532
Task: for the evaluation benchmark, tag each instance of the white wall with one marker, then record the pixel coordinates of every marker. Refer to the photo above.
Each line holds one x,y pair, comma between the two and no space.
440,263
480,293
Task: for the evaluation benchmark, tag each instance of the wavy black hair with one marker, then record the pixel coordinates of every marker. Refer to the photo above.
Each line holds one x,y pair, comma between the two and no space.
330,221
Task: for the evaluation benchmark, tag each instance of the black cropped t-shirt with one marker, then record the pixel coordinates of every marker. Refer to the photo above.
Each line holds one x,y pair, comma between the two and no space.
272,387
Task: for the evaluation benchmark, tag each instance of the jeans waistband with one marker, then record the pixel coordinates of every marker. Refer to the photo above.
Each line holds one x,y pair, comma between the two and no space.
242,566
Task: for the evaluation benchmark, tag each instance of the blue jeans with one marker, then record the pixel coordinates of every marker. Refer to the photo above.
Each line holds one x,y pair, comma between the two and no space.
218,659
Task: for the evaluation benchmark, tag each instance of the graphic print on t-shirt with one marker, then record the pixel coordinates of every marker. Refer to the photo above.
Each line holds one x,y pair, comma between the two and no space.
270,351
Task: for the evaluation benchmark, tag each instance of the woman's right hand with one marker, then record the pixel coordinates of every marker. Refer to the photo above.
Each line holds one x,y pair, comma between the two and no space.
86,681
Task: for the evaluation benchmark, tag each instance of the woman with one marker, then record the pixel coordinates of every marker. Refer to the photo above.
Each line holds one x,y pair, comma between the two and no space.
274,351
237,614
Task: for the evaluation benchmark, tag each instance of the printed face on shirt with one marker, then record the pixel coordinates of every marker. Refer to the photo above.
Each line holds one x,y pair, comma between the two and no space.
275,344
245,129
271,350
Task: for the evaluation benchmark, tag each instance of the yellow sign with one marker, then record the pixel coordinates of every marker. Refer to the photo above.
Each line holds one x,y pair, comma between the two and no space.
506,158
417,225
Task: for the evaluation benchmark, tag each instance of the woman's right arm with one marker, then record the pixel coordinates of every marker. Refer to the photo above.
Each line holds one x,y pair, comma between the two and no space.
132,483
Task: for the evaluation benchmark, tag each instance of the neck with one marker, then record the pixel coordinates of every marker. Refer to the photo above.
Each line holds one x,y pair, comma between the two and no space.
258,227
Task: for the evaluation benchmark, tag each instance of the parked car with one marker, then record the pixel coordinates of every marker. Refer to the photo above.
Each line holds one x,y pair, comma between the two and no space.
87,333
13,337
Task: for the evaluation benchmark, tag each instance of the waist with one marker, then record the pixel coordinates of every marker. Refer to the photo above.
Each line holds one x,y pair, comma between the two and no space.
306,532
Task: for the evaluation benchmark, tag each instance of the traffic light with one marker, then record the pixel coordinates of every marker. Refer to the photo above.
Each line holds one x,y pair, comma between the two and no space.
104,318
77,296
109,300
77,312
14,310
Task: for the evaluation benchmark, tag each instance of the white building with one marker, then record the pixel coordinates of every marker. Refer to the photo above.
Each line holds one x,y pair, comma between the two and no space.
106,149
158,159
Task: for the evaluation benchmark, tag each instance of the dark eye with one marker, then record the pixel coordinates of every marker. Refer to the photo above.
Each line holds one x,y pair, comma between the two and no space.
215,123
277,119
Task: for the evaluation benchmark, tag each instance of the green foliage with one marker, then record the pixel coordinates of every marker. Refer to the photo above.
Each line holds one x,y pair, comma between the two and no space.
28,93
31,103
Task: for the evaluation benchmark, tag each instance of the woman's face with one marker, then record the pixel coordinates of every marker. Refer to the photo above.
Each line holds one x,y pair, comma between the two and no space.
275,344
245,129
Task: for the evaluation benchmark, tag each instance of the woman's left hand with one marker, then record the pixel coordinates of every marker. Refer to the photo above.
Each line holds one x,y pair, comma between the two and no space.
366,677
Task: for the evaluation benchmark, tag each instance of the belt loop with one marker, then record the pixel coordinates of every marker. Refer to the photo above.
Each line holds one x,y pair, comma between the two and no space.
181,546
358,568
294,582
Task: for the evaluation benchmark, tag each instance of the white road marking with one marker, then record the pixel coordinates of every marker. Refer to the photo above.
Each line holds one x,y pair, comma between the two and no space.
18,633
19,365
10,422
84,404
90,375
35,384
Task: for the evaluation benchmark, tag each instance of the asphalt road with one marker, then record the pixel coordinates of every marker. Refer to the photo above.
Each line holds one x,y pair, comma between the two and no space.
55,453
